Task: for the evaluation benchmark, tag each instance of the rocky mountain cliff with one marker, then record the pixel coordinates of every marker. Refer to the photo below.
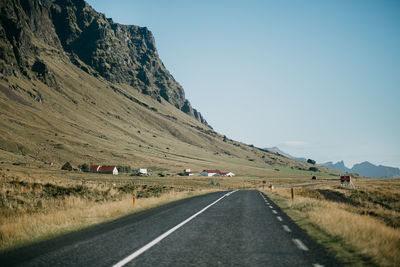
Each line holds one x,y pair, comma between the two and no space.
71,28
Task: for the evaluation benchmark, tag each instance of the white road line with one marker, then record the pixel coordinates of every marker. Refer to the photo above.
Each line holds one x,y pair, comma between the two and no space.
164,235
274,211
317,265
271,207
286,228
300,244
279,218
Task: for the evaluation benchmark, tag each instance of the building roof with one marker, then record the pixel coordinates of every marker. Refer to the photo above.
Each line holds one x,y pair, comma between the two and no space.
212,171
106,168
94,167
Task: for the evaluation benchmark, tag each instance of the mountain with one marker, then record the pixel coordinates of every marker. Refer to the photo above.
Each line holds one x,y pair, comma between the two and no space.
92,42
365,169
275,149
76,86
368,169
336,166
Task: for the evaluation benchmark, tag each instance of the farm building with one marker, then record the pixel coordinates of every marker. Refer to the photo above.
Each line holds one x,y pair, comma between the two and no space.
141,171
108,169
211,173
188,172
94,168
216,173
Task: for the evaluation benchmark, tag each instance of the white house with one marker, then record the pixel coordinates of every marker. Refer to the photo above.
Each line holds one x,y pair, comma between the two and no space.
229,174
210,173
141,171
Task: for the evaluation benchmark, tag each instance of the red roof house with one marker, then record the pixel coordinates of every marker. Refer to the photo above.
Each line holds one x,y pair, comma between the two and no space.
94,168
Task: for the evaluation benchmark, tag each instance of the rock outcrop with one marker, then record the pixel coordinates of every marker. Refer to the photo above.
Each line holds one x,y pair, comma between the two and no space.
94,43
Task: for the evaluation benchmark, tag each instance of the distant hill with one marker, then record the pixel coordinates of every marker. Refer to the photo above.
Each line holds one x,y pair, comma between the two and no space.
275,149
336,166
366,169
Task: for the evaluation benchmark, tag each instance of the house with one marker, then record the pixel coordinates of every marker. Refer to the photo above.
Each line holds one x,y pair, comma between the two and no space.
94,168
108,169
188,172
211,173
216,173
141,171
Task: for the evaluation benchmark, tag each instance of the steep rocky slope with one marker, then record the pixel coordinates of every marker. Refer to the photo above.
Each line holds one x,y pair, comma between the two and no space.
75,86
97,45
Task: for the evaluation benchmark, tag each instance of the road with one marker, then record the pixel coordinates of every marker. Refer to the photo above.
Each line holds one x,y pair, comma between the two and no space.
236,228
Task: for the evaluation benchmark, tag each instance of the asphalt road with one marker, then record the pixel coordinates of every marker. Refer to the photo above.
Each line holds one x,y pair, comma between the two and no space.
242,228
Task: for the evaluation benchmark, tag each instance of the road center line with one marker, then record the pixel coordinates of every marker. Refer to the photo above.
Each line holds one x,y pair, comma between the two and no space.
286,228
271,207
279,218
164,235
274,211
300,244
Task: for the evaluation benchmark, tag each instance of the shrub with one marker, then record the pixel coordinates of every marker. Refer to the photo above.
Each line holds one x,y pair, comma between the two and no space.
85,167
311,161
313,169
124,169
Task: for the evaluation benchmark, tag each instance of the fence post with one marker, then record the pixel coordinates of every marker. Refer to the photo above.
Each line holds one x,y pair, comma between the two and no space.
134,199
292,193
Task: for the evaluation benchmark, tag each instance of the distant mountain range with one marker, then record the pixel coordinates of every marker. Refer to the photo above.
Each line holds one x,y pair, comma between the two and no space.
275,149
365,168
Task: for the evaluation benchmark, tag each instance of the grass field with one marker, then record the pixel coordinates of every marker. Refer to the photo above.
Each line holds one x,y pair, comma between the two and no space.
360,225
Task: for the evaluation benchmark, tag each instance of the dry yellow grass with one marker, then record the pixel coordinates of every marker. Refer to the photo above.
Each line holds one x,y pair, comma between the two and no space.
27,228
369,236
32,209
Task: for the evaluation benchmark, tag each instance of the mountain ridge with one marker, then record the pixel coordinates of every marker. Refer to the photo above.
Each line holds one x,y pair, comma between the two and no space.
365,169
119,53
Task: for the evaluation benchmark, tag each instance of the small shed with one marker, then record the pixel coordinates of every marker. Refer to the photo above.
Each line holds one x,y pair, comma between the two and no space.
141,171
67,166
188,172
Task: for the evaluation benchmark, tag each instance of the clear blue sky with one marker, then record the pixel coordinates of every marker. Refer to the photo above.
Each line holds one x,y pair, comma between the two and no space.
319,79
